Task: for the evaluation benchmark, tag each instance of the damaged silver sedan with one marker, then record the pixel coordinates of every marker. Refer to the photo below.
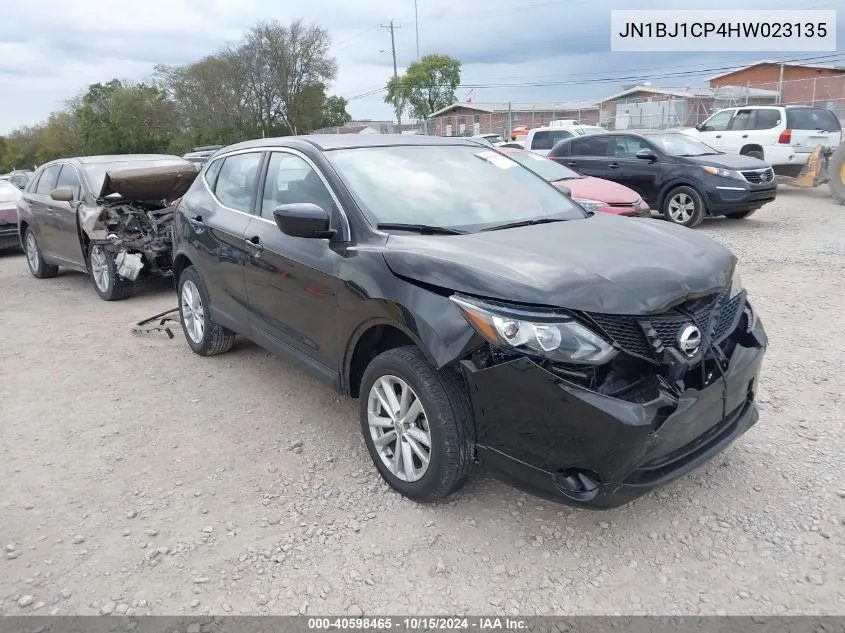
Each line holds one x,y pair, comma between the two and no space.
109,216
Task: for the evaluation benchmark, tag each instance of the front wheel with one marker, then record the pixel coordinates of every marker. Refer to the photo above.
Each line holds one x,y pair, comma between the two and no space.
417,424
205,336
108,284
683,205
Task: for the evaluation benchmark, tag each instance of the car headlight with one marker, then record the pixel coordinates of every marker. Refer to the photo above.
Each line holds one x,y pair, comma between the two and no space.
553,336
642,204
736,282
590,205
724,173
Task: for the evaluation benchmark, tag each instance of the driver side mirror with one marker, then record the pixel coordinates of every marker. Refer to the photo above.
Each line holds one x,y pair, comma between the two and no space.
303,219
646,154
700,127
62,194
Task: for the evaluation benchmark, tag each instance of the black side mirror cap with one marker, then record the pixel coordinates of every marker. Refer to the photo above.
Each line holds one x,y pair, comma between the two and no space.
303,219
62,194
646,154
700,127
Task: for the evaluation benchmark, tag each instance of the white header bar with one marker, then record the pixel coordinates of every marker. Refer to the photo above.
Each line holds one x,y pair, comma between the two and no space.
723,30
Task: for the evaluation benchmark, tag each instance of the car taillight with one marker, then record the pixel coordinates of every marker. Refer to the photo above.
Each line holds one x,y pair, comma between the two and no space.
785,137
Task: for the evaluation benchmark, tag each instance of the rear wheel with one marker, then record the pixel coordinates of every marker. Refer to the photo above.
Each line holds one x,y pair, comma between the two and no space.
108,284
204,335
417,424
683,205
37,266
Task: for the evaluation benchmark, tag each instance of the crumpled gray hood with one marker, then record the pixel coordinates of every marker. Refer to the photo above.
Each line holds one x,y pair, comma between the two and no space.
605,263
150,183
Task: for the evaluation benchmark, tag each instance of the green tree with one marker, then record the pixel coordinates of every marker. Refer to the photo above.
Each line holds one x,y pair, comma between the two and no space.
58,138
426,86
334,112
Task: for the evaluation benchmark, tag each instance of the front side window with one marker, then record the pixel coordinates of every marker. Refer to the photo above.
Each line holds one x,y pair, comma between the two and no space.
291,180
718,122
457,187
47,182
237,180
628,146
68,178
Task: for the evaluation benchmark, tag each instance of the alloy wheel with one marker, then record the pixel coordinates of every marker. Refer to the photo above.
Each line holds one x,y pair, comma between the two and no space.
31,252
100,268
399,428
193,314
681,207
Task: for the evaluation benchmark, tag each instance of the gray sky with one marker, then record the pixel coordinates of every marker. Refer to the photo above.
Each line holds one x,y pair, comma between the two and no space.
50,51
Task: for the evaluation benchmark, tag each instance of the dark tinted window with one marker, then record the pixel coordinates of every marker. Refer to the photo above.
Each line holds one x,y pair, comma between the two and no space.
542,140
811,119
767,119
627,146
237,180
290,180
591,146
744,120
69,179
47,182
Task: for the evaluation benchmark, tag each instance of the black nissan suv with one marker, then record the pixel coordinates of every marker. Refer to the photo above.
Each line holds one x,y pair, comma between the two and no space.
476,312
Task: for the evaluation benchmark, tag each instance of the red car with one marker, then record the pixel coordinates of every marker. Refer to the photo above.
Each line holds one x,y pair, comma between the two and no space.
594,194
9,195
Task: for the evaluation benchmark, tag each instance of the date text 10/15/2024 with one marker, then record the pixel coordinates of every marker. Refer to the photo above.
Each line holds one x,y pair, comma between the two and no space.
417,623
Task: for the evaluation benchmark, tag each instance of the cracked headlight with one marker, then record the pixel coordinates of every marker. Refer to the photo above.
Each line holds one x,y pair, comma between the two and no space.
724,173
553,336
736,282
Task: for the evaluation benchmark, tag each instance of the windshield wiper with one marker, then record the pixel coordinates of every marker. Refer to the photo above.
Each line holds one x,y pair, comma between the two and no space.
424,229
514,225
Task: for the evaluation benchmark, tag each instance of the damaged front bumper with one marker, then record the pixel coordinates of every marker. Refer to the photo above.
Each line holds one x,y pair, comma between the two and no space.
562,441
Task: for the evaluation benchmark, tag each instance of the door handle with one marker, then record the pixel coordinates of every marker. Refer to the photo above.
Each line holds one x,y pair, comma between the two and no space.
614,165
718,136
196,220
745,136
571,163
254,246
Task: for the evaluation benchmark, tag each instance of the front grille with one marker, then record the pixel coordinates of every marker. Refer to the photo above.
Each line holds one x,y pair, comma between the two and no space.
759,176
628,332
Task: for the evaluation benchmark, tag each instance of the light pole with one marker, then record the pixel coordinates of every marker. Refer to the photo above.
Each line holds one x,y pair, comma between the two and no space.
417,28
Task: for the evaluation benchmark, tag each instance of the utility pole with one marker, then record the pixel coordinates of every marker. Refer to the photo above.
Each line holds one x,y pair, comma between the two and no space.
391,27
780,85
417,28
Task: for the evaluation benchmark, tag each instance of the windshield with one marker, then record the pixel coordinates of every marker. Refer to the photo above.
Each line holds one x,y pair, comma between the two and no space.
681,145
543,167
453,186
96,172
8,192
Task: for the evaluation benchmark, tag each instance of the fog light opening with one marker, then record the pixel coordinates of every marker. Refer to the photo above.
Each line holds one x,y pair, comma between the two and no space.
577,484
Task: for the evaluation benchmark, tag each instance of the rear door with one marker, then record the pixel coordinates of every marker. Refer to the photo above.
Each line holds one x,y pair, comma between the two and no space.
64,214
45,224
590,155
812,127
715,129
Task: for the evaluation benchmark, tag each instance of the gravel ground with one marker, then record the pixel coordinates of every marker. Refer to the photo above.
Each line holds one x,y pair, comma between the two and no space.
137,477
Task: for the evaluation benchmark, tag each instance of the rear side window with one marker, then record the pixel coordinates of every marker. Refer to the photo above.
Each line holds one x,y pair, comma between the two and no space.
542,140
68,178
237,180
47,182
744,120
591,146
812,119
767,119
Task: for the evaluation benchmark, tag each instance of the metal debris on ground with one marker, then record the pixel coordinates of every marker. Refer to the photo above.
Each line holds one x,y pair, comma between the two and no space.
159,323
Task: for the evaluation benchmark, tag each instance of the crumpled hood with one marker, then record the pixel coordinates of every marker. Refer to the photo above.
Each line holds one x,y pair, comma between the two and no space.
605,263
150,183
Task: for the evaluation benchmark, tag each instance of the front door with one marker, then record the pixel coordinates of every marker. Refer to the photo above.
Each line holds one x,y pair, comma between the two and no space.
67,243
638,174
714,130
291,281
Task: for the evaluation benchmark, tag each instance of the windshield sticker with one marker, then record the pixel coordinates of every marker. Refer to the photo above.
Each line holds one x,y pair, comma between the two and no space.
502,162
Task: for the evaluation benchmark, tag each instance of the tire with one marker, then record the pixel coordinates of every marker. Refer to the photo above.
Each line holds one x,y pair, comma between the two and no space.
692,215
204,335
836,174
742,215
754,153
37,266
108,284
445,418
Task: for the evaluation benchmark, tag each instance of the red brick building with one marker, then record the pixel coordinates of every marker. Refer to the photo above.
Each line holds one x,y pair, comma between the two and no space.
808,84
467,119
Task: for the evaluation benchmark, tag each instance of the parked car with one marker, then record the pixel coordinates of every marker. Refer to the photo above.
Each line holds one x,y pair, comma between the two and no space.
200,155
9,195
104,215
543,139
594,194
475,311
19,177
513,145
783,136
685,179
492,139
